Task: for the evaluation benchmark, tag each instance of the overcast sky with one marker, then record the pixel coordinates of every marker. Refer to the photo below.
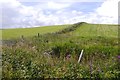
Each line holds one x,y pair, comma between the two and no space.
32,13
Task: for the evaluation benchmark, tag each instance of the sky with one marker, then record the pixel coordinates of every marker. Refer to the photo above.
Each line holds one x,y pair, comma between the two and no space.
34,13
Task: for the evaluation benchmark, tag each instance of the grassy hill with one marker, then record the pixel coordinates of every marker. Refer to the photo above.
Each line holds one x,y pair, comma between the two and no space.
94,30
27,32
88,30
55,55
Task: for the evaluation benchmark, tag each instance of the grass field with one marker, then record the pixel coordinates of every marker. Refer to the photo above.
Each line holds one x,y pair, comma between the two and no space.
93,30
88,30
55,55
27,32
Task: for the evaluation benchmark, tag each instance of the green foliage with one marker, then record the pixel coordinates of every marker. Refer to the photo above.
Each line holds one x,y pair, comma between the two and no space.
65,49
44,56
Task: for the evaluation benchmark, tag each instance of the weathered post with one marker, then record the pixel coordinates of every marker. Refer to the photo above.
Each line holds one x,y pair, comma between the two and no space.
38,35
22,37
80,56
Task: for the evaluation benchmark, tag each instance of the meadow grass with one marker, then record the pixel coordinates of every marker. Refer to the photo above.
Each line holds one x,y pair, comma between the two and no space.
27,32
94,30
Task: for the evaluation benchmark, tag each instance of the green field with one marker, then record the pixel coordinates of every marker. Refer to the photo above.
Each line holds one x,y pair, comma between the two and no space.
27,32
88,30
93,30
55,53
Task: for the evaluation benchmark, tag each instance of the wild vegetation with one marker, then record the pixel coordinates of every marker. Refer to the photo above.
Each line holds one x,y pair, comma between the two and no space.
55,55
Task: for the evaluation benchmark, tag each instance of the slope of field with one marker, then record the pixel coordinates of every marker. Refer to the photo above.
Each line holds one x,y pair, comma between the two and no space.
94,30
27,32
88,30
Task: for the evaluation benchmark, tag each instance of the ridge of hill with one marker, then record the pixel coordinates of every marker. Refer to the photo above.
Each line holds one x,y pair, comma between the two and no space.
104,29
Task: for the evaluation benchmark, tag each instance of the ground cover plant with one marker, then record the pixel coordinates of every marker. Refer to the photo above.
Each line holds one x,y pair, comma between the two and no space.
56,54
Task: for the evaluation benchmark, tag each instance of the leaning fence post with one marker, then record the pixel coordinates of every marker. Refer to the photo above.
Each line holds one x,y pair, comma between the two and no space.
80,56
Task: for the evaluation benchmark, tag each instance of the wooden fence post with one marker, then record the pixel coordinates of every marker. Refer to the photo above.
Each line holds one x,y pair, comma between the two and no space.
38,35
22,37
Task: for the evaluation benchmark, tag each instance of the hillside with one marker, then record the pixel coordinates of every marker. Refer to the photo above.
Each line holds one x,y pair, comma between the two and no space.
88,30
56,54
28,32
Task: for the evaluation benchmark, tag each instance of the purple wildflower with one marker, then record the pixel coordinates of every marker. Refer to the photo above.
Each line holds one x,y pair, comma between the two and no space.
118,56
68,56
